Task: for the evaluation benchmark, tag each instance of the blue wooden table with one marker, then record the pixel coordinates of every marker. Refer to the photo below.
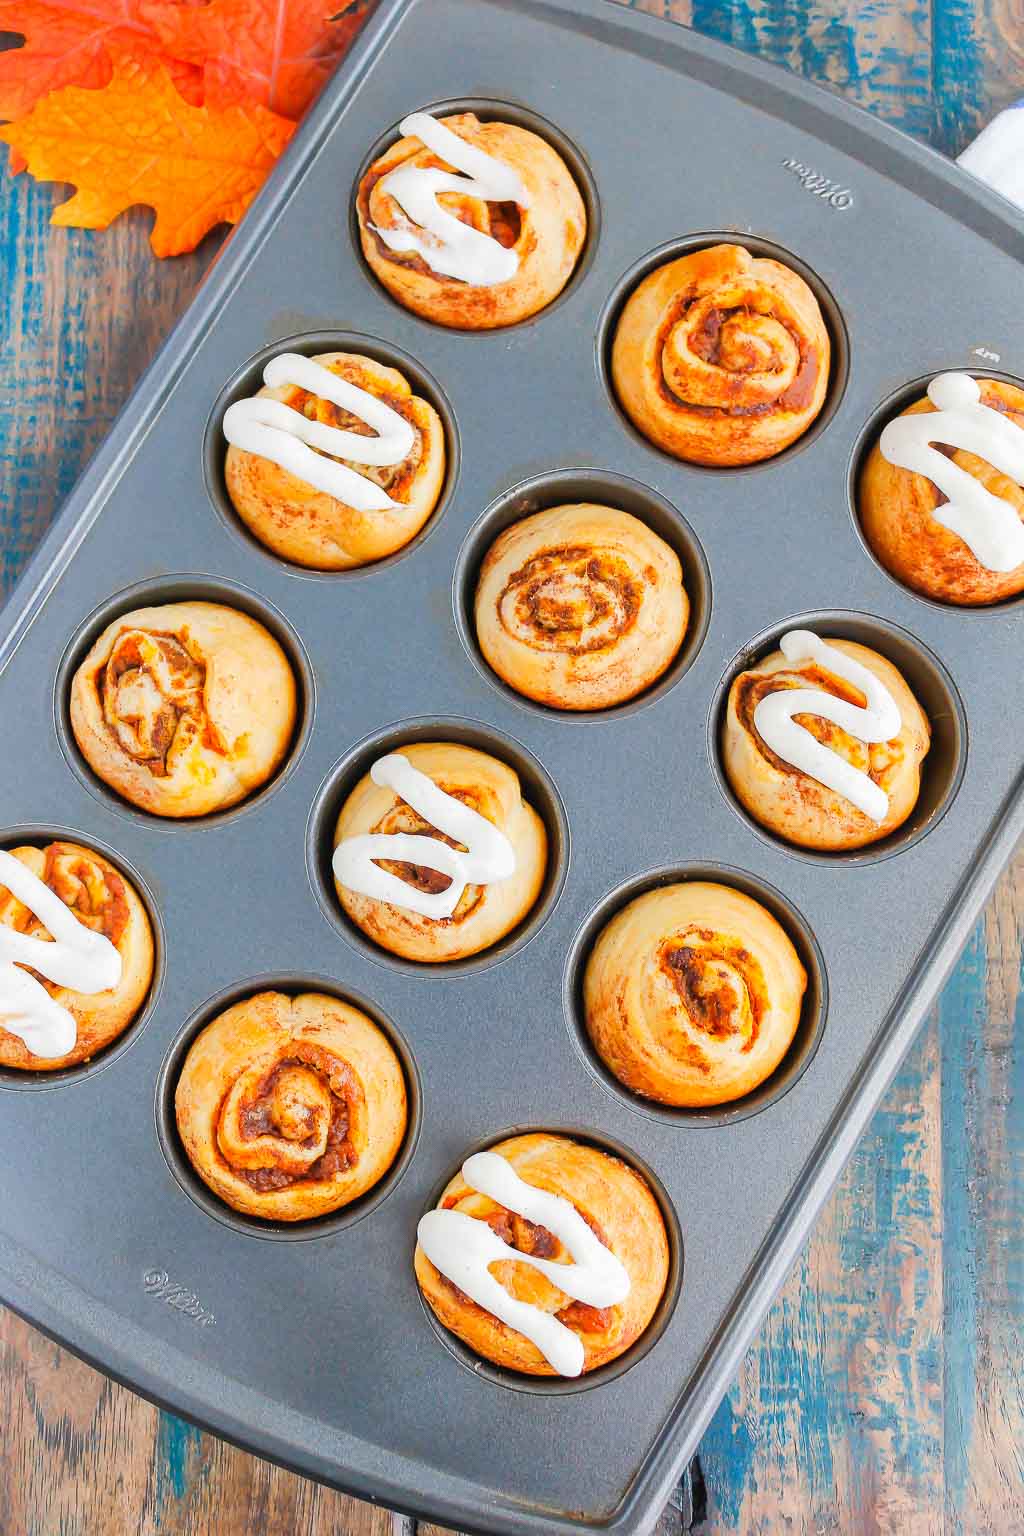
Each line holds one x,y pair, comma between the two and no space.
885,1393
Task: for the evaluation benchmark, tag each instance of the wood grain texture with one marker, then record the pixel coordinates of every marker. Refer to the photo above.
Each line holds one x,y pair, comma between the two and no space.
885,1392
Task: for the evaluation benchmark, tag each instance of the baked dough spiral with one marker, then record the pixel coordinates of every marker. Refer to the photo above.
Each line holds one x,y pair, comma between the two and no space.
788,801
299,522
580,607
618,1206
896,505
104,901
184,709
546,236
291,1107
692,994
721,357
485,913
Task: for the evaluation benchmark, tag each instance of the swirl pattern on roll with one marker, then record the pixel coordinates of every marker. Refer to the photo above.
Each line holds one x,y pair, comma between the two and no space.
721,358
788,801
184,709
105,901
291,1107
485,913
580,607
544,234
897,513
615,1202
692,994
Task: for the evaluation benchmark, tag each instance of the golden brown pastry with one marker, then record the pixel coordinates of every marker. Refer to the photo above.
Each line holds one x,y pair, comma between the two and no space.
792,802
617,1208
721,357
184,709
530,243
105,902
692,994
314,528
580,607
485,912
291,1107
897,510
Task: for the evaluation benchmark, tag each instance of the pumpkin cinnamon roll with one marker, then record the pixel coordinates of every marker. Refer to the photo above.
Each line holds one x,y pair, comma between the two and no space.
291,1107
580,607
437,855
544,1256
184,709
941,493
721,357
76,955
823,743
692,994
334,463
470,224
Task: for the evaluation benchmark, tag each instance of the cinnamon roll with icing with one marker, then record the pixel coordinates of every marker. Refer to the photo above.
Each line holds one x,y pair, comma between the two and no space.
291,1107
692,994
437,855
184,709
823,743
580,607
721,358
941,494
76,956
470,224
544,1256
334,463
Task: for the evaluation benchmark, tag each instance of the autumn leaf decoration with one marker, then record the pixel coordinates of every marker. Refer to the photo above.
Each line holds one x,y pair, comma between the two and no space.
181,105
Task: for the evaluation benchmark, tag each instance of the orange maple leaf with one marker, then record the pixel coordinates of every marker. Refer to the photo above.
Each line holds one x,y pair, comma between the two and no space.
138,141
73,42
274,52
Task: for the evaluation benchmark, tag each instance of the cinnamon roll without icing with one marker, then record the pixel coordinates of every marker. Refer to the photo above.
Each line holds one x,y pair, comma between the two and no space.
823,743
437,854
470,224
692,995
580,607
544,1256
184,709
334,463
76,956
721,357
291,1107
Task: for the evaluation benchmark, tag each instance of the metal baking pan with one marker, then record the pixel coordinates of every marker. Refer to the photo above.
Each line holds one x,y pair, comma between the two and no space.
316,1351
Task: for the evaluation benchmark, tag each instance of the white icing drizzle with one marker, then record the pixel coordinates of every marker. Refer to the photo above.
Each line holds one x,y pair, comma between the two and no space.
989,526
463,1247
77,958
446,244
490,855
275,431
880,721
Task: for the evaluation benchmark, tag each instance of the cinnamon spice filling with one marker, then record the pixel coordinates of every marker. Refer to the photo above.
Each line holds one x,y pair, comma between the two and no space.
152,691
96,896
752,687
574,599
502,221
402,818
395,479
282,1107
720,984
722,342
528,1237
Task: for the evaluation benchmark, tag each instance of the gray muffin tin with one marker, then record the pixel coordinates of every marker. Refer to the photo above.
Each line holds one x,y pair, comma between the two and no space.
311,1345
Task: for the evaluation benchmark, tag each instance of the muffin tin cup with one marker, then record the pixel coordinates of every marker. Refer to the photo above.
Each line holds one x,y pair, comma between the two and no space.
200,1193
349,1386
560,1386
813,1013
